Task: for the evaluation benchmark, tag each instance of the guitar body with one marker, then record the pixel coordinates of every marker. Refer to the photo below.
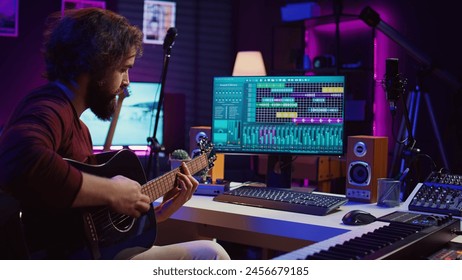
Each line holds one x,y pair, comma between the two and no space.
107,232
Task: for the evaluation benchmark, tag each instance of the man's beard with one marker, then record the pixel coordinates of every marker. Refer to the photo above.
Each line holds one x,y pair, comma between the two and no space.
100,101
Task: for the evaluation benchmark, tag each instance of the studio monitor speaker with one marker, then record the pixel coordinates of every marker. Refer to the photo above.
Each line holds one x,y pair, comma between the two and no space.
195,135
367,160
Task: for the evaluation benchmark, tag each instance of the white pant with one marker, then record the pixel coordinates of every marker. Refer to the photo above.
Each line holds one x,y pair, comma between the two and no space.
192,250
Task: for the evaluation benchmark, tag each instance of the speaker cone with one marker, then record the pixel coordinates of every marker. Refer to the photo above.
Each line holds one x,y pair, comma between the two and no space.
359,173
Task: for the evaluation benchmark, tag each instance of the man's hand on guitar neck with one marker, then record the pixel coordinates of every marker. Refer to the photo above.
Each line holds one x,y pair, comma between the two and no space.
119,193
179,195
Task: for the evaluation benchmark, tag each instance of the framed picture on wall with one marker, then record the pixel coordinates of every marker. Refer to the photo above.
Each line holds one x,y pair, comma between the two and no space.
158,17
79,4
9,18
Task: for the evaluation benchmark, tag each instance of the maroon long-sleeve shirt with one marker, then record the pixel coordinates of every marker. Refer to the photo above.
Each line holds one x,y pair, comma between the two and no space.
44,129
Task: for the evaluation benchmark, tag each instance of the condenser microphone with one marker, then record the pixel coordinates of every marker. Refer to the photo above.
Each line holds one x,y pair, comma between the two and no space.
393,85
170,38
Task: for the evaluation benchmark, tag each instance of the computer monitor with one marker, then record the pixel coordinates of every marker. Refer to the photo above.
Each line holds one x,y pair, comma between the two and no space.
136,119
281,116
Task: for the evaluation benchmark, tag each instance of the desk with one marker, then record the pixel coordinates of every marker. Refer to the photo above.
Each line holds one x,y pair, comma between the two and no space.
265,228
272,229
357,231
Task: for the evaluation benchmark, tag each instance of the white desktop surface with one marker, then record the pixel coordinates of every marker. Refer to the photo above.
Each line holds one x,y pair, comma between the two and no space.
272,223
275,229
202,209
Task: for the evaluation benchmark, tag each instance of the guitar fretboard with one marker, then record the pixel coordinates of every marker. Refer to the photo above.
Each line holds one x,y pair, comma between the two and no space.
162,184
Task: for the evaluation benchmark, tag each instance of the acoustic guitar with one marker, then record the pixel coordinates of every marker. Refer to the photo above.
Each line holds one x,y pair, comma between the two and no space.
108,233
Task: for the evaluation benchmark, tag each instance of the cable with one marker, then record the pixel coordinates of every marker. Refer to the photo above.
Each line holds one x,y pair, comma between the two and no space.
395,137
293,158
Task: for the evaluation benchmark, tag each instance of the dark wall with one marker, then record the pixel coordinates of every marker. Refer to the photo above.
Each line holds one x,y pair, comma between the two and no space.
427,28
202,49
21,64
210,33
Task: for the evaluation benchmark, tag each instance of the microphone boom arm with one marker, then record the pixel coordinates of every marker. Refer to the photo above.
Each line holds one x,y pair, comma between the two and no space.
372,18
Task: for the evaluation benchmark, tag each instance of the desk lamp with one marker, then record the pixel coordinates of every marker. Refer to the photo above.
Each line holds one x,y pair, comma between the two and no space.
249,63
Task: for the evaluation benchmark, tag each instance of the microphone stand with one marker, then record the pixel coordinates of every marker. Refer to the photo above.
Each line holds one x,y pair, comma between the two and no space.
154,145
410,145
372,18
409,151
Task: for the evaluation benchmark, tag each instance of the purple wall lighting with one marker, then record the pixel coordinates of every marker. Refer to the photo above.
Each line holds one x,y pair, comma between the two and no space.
382,116
319,38
383,49
315,34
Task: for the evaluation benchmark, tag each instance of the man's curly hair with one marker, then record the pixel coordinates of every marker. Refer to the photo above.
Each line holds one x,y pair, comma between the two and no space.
89,40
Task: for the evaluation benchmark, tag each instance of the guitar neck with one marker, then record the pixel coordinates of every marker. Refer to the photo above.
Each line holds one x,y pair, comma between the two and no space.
112,126
164,183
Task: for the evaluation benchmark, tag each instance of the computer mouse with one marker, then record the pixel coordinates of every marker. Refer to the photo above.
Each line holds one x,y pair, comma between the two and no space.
358,217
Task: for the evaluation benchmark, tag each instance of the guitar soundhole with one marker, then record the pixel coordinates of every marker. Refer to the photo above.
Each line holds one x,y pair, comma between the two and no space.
121,223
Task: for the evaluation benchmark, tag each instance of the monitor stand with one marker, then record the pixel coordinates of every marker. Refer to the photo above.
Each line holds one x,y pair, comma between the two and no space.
279,171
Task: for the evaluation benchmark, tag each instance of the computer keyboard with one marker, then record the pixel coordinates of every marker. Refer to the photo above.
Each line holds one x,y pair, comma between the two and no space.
440,193
283,199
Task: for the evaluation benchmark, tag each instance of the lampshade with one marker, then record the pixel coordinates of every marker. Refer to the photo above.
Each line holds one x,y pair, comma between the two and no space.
249,63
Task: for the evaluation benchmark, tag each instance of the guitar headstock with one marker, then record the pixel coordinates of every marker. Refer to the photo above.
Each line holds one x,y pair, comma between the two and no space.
206,147
125,93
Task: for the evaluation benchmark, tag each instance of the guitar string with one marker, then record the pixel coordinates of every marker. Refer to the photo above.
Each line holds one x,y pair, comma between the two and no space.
168,180
99,217
117,221
151,193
